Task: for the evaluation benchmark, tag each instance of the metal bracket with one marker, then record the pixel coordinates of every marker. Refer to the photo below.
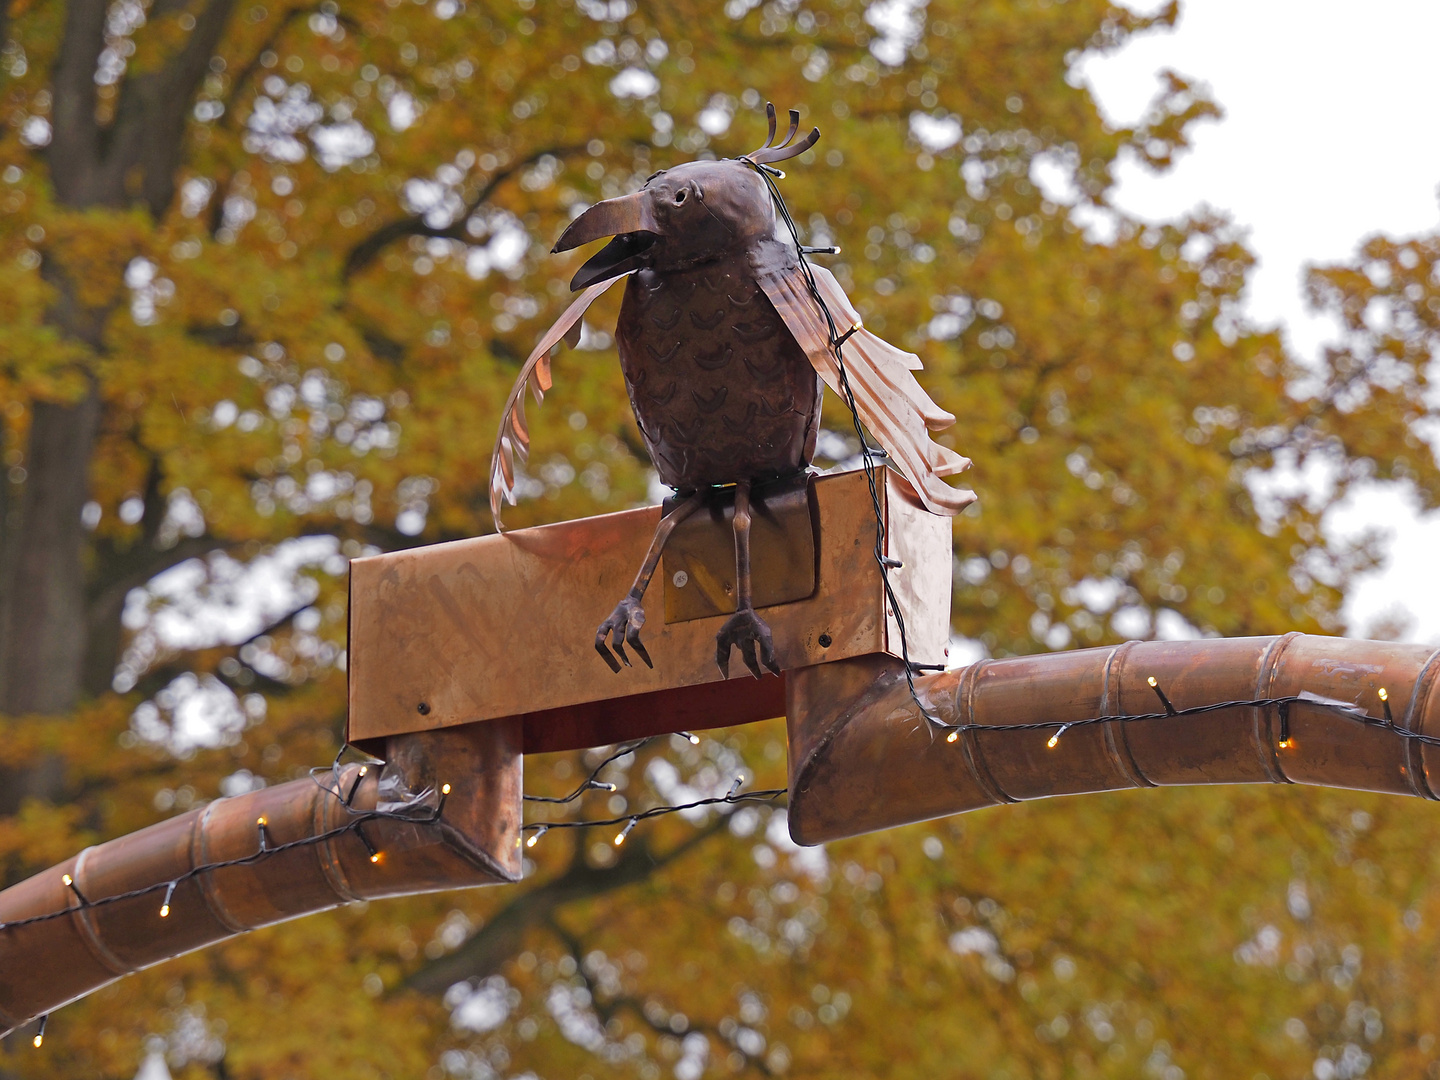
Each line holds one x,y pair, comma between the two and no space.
699,561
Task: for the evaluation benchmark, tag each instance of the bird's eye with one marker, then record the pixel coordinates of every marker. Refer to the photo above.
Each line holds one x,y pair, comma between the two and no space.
679,196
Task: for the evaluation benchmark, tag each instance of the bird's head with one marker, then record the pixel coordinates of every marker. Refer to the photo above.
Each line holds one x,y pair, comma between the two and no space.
688,214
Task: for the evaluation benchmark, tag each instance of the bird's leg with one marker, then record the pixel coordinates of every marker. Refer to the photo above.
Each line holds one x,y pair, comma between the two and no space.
744,628
628,617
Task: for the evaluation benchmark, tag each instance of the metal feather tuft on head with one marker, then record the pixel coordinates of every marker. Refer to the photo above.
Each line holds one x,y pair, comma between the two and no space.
772,152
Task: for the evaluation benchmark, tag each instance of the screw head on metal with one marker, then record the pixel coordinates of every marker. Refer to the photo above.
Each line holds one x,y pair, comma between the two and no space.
825,641
423,709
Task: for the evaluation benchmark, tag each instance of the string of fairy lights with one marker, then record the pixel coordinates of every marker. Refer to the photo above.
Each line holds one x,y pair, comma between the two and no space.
538,829
417,810
427,806
870,457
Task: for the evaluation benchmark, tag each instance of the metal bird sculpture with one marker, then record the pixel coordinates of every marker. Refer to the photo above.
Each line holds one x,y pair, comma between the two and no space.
726,335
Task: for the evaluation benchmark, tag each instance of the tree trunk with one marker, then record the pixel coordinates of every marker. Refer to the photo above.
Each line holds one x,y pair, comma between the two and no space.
44,635
47,660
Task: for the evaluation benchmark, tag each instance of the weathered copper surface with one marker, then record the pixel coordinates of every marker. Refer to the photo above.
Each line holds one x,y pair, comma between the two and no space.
636,716
723,346
720,388
44,965
861,758
482,629
726,341
698,570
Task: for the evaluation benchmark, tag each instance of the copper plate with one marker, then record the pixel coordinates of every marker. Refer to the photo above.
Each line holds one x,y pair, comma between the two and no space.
503,625
698,566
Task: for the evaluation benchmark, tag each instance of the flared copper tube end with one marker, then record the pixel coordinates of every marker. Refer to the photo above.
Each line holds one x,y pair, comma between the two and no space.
1295,709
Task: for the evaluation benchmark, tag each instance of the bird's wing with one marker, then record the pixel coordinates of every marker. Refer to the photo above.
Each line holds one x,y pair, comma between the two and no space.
890,402
513,439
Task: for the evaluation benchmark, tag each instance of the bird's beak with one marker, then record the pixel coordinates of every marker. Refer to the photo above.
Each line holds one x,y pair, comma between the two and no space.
629,220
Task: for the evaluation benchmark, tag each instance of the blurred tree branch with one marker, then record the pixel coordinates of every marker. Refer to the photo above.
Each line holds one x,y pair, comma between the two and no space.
502,937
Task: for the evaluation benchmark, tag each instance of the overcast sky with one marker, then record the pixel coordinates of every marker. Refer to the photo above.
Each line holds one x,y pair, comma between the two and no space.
1329,136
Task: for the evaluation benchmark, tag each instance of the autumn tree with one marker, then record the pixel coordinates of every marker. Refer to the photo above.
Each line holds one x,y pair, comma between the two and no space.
268,273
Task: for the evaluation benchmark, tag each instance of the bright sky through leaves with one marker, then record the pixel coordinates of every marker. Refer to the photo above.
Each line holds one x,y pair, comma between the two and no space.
1335,131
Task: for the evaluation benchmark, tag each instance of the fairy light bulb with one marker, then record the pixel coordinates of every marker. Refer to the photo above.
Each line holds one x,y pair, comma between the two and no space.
369,847
620,836
359,778
952,736
693,739
1159,693
1054,740
165,907
445,789
534,838
70,884
40,1032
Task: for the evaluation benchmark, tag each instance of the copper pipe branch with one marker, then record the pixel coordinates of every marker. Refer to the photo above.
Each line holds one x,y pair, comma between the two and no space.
862,758
44,965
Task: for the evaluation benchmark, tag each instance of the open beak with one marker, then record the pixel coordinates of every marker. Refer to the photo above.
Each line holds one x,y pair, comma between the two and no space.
629,220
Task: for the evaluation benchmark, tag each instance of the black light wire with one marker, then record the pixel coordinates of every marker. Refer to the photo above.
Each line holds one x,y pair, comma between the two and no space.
245,860
764,795
590,783
868,453
431,816
1282,704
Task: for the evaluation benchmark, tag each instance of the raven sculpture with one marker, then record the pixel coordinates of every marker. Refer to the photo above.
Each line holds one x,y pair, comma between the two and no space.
726,338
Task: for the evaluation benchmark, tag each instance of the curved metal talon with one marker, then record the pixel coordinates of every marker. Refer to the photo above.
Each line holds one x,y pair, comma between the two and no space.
632,638
605,654
622,628
744,630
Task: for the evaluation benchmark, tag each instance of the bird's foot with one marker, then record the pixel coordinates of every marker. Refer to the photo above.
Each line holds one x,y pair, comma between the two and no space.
744,629
623,627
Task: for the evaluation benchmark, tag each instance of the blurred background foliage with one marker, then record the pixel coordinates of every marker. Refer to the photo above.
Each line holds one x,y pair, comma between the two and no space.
266,273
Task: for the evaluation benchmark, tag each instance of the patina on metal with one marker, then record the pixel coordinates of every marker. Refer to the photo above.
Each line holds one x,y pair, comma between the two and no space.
726,349
862,759
861,756
44,965
698,570
439,625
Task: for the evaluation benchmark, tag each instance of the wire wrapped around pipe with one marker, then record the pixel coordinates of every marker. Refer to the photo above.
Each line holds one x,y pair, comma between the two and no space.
863,758
157,893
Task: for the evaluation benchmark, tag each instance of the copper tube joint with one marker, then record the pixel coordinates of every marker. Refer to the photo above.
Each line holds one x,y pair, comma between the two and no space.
46,964
862,758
